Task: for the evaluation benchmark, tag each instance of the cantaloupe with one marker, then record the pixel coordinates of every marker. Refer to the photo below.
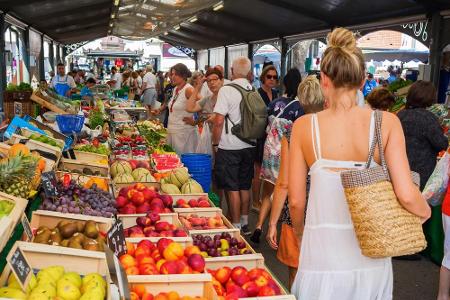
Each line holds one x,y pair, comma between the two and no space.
179,177
169,188
191,187
123,178
120,167
146,178
139,172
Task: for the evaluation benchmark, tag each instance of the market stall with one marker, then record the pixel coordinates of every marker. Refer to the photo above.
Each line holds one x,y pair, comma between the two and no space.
98,206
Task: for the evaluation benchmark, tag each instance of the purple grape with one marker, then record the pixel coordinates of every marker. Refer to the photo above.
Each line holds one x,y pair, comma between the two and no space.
59,209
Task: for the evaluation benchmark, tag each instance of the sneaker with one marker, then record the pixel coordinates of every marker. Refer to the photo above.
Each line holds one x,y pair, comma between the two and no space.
245,230
255,236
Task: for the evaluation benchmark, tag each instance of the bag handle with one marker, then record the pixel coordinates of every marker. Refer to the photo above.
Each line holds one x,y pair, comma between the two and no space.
377,141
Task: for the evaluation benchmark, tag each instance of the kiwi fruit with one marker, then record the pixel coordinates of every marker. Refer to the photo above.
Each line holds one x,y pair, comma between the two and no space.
91,229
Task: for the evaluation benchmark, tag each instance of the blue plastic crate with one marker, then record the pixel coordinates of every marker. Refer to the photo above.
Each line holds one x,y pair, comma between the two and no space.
69,124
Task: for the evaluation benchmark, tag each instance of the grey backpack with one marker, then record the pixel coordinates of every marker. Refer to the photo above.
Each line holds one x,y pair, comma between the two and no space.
253,116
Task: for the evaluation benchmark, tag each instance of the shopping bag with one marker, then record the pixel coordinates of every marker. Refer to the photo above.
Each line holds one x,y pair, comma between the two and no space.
204,144
436,186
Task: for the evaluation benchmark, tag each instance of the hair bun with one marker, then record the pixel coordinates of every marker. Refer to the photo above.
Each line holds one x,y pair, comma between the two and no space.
341,38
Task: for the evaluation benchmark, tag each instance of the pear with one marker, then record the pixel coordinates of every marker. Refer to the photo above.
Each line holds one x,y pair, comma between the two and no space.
44,277
7,292
94,276
46,289
67,290
96,293
55,271
13,283
39,296
72,277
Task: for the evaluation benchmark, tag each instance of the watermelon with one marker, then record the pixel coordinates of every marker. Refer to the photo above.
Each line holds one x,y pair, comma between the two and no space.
120,167
191,187
139,172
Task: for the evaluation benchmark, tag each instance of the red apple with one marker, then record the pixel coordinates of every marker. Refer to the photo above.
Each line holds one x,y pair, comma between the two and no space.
154,217
143,259
149,230
138,198
163,243
261,281
128,209
251,288
204,203
167,200
121,201
157,202
162,226
141,252
193,203
239,275
147,269
236,289
223,274
148,194
131,192
148,244
179,233
255,273
169,267
266,291
143,208
197,262
124,191
180,202
143,221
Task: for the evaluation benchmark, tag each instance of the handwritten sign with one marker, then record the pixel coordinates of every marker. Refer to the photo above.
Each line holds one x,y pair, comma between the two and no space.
48,180
117,273
20,267
116,239
27,228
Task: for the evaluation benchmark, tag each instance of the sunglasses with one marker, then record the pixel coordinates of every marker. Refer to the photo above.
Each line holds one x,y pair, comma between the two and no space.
274,77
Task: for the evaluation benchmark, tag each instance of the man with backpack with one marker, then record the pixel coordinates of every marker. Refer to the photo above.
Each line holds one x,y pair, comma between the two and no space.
241,118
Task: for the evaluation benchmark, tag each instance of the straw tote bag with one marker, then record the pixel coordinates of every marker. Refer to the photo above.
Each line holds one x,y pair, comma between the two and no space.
383,227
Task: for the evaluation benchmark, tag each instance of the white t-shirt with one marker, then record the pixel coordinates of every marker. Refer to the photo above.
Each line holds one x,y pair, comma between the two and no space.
150,80
118,78
228,103
66,79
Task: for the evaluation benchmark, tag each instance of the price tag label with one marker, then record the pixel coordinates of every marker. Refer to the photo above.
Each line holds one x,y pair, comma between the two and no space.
27,227
20,267
117,273
48,180
116,239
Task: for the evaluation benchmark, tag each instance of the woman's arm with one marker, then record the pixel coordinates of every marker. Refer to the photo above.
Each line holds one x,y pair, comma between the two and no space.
279,194
192,105
298,171
407,192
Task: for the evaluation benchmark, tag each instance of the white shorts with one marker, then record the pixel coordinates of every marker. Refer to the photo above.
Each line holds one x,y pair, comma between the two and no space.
446,224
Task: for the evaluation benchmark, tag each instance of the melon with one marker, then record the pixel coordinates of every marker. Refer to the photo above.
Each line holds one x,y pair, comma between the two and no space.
179,177
169,188
139,172
123,178
146,178
191,187
120,167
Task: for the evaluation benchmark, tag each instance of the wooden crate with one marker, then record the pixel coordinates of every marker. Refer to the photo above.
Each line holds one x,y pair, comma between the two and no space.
27,133
172,218
40,256
197,285
17,212
236,233
118,186
209,212
4,148
82,179
89,156
6,224
47,104
188,197
69,165
35,145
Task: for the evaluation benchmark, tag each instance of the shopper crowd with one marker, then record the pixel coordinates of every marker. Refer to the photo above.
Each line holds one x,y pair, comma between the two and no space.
315,129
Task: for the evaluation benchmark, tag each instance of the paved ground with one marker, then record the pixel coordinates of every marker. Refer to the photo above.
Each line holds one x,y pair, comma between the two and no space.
413,280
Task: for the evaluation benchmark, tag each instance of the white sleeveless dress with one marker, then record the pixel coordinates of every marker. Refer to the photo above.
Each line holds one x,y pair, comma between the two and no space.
331,265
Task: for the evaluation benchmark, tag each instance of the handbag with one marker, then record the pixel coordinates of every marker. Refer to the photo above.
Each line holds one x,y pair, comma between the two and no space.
384,228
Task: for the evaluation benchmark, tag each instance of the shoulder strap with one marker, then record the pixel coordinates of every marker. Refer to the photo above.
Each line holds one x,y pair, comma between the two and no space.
315,134
371,129
378,142
282,111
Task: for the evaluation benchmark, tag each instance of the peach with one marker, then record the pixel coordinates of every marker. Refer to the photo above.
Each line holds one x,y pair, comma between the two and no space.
193,203
173,295
139,187
132,271
161,296
139,289
157,202
148,194
143,208
169,267
159,264
218,287
251,288
141,252
163,243
147,269
204,203
142,260
134,296
162,226
130,193
223,274
127,261
147,296
254,273
183,267
238,271
189,250
148,244
197,262
173,251
235,289
124,191
266,291
121,201
130,248
261,281
156,255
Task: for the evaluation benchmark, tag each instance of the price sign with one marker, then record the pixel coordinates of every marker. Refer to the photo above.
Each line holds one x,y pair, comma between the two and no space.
48,180
117,273
20,267
27,228
116,239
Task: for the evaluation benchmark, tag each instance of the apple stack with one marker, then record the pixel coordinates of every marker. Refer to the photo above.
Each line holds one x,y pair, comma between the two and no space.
140,199
151,225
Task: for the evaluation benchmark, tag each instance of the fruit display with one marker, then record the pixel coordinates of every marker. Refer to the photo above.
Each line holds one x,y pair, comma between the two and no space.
139,292
141,199
153,132
6,207
151,225
94,147
73,234
47,140
192,203
180,182
54,282
165,162
73,198
196,222
220,245
239,283
164,257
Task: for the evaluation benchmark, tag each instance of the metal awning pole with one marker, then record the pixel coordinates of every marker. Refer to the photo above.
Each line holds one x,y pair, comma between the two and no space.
435,51
2,58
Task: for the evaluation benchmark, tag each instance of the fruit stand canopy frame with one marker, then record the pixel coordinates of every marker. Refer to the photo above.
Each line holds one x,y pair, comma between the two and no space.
238,21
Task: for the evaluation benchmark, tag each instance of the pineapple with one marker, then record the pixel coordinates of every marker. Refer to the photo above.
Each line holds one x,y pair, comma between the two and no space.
16,174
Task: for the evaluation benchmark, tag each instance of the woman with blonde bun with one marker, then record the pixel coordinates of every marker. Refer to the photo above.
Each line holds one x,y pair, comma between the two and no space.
331,265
